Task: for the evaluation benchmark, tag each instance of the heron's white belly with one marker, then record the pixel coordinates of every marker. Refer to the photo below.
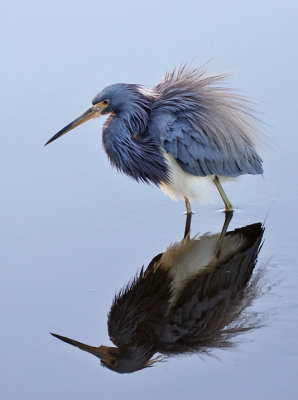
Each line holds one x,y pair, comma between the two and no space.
182,184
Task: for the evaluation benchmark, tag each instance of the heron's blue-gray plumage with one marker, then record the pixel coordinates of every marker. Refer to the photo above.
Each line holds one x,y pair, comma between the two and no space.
126,138
206,129
185,128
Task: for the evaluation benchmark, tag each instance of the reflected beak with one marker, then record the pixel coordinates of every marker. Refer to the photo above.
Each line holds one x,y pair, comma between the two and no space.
93,112
102,352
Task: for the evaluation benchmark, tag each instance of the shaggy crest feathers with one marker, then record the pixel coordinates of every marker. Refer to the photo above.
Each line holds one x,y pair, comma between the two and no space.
209,108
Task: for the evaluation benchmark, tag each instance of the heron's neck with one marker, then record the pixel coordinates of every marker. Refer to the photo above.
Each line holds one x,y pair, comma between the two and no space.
131,149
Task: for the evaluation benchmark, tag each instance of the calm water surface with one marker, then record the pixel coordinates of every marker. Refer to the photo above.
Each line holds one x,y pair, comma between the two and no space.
74,231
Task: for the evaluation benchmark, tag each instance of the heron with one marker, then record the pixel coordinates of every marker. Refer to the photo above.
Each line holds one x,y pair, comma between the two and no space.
190,299
187,135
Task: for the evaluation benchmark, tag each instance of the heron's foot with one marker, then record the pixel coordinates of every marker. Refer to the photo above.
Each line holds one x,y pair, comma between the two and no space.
228,205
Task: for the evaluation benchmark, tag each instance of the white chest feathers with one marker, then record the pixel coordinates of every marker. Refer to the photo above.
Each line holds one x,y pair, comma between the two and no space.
182,184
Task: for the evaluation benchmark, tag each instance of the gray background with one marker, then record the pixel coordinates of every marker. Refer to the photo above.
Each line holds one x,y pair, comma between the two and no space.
74,231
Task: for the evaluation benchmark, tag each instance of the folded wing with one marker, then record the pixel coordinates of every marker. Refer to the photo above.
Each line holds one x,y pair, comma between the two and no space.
207,129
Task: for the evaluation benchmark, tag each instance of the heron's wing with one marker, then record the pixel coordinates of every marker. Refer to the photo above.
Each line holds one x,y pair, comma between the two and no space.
197,153
207,129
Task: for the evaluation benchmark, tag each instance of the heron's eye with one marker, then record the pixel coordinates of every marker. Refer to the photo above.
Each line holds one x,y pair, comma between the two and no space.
105,102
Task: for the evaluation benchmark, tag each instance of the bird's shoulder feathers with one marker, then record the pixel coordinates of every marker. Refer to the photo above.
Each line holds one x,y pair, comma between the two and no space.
206,128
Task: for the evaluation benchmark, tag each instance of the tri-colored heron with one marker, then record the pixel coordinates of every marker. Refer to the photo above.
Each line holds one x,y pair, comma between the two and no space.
190,299
185,135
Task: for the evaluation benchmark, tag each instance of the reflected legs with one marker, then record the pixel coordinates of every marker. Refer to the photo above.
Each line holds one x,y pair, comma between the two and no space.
187,225
228,218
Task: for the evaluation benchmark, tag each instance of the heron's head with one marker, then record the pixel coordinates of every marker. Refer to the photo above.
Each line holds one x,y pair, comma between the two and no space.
108,355
129,359
117,98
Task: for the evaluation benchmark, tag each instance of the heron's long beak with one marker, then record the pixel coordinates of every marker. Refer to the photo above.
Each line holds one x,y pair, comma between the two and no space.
92,112
102,352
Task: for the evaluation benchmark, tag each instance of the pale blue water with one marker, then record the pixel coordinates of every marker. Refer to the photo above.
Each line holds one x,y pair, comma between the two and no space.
74,231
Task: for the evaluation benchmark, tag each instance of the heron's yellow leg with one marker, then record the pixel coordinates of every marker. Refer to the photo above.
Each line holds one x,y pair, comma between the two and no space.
187,205
228,204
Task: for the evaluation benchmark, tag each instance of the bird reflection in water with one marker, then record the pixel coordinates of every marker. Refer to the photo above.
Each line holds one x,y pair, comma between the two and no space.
192,298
